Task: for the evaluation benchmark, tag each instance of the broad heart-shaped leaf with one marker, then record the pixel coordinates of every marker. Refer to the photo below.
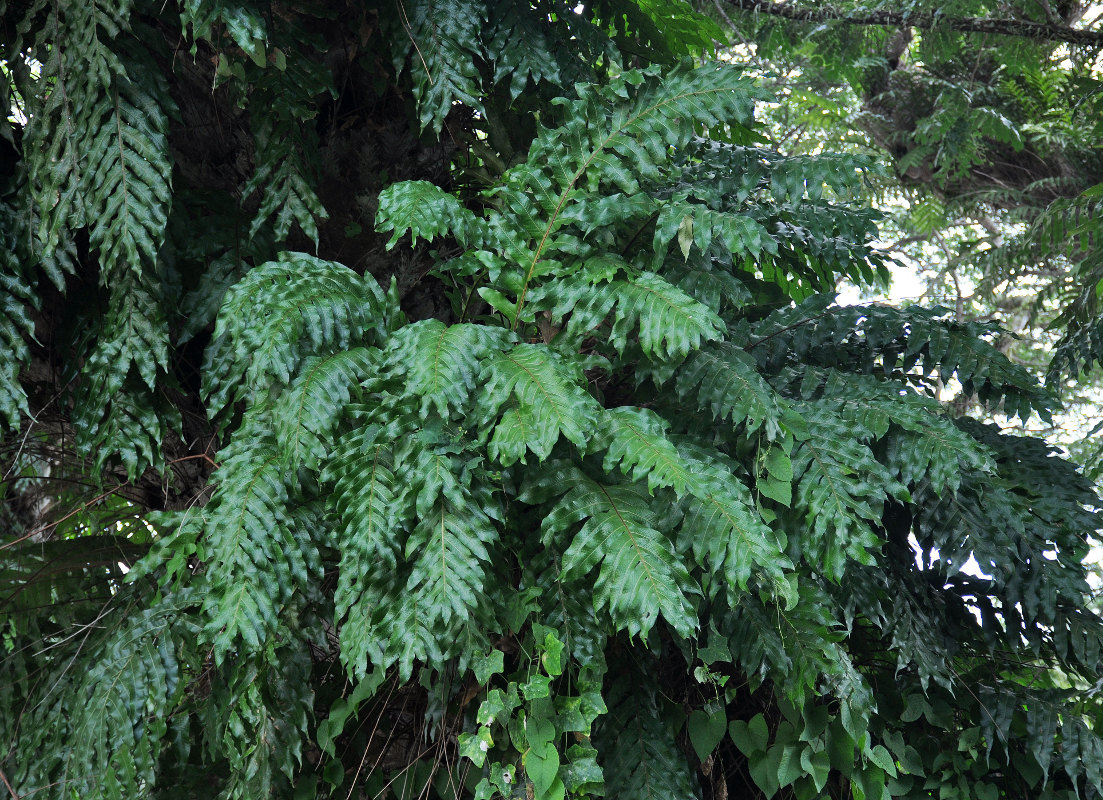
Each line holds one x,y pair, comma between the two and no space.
727,380
841,489
641,576
441,364
545,402
706,729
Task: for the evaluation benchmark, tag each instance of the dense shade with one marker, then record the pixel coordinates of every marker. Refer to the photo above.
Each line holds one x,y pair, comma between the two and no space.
447,399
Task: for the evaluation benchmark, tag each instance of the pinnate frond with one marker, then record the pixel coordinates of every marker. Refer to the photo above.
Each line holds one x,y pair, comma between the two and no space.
840,488
543,401
282,311
640,575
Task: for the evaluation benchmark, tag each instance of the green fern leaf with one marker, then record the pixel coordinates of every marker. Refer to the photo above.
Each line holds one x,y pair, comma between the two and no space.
310,408
927,445
841,489
425,211
726,379
549,403
639,757
640,576
440,47
283,310
16,325
442,365
667,322
723,528
249,530
431,607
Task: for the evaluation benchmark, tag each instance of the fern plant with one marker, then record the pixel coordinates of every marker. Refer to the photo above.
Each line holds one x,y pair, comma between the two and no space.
569,479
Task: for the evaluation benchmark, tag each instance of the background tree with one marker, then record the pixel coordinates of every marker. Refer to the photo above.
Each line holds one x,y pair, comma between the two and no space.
440,399
990,116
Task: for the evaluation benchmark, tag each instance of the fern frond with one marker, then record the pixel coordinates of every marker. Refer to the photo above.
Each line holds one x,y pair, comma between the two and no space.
723,528
725,378
796,646
17,297
668,323
633,143
841,489
311,406
285,183
249,529
365,498
902,339
118,707
440,49
131,182
543,402
639,757
425,610
282,311
425,211
640,575
521,37
265,711
928,445
443,365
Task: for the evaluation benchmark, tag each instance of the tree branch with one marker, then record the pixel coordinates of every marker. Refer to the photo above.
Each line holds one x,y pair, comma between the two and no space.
1002,27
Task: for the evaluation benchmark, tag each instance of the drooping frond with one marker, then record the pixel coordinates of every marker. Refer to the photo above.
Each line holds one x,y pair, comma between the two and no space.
638,757
305,306
118,709
640,575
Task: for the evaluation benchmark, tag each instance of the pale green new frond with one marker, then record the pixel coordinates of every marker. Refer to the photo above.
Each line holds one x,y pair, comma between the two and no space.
640,575
725,378
548,399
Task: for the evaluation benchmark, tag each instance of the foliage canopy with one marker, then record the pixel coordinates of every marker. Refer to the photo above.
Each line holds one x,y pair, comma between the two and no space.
454,404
